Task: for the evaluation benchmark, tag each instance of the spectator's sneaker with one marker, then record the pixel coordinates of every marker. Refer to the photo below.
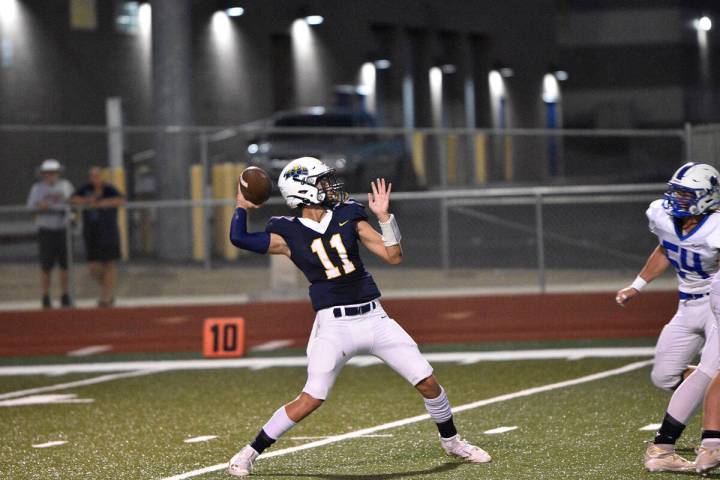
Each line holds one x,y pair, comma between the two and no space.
658,459
241,464
707,459
46,303
66,301
458,447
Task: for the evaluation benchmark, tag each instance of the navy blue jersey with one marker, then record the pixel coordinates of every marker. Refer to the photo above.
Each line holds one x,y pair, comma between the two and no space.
329,258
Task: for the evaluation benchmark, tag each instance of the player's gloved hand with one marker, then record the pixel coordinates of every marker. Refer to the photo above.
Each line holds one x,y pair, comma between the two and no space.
379,199
242,202
624,295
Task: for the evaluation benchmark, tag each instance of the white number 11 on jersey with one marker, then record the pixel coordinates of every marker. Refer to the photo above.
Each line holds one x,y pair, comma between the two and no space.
331,271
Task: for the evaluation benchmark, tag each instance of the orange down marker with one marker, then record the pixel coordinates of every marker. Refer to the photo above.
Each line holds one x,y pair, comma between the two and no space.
224,337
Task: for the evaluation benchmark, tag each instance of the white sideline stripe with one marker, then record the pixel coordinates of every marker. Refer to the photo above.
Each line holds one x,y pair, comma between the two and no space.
380,435
361,360
91,350
52,399
79,383
650,427
50,444
495,431
201,438
271,345
419,418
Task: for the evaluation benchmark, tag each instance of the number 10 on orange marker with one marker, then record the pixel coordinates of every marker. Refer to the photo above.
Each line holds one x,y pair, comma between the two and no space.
224,337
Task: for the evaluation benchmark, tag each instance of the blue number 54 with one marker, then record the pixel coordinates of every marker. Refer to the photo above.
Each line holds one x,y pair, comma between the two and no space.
678,257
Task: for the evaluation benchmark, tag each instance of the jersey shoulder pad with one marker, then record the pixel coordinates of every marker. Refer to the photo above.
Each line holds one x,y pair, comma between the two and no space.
351,210
279,225
654,212
713,237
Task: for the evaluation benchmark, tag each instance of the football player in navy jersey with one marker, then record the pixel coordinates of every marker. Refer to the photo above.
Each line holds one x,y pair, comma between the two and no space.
323,242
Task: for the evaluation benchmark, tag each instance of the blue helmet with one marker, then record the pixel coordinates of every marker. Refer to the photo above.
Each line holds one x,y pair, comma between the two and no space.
692,190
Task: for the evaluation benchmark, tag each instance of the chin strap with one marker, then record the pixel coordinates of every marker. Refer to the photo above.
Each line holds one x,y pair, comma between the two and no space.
390,232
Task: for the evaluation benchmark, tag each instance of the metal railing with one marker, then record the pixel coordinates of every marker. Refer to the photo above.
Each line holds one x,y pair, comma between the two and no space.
542,229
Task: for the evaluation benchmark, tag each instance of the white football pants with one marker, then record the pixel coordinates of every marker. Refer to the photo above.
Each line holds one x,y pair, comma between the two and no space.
682,339
334,341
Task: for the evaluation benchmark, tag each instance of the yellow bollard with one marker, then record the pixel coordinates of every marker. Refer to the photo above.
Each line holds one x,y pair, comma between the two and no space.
452,158
508,158
224,183
480,151
418,158
197,192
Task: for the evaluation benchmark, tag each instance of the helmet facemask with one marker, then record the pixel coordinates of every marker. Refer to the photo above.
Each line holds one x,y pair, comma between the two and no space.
331,190
680,201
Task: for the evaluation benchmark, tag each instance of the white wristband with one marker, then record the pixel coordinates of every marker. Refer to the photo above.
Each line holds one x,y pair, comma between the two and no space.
390,232
638,284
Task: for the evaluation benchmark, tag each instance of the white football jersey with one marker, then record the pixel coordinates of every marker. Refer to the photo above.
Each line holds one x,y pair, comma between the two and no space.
694,255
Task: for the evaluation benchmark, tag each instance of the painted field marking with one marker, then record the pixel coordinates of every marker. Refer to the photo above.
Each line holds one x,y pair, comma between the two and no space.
465,358
91,350
272,345
495,431
79,383
653,427
50,444
419,418
387,435
201,438
52,399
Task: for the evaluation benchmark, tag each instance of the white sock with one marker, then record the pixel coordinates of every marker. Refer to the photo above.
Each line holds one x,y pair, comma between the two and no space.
439,408
278,424
688,396
711,443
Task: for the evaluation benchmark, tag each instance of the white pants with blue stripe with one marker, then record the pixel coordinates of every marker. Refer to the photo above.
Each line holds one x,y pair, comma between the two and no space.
680,341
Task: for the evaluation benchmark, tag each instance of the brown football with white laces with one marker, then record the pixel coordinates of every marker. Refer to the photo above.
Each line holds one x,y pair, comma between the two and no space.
255,185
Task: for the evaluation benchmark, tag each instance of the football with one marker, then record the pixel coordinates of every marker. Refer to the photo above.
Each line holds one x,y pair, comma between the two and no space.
255,185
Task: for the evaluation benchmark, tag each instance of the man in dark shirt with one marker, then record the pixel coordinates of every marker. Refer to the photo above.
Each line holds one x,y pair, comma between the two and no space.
100,231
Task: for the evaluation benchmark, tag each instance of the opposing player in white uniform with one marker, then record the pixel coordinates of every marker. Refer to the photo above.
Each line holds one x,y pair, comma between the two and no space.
688,231
323,242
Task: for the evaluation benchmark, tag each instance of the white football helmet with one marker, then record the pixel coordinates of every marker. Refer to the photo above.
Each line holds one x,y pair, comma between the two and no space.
308,181
692,190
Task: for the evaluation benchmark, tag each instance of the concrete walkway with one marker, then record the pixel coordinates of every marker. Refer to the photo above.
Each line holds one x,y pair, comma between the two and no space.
157,284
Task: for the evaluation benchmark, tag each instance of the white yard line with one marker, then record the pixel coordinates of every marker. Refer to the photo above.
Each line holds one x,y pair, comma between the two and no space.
201,438
91,350
50,444
380,435
360,361
79,383
419,418
271,345
495,431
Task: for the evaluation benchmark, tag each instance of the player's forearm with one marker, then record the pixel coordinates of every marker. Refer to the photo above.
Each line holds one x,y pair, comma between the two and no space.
394,254
656,264
258,242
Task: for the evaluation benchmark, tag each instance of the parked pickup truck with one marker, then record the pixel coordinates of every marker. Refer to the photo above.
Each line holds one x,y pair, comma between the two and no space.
357,158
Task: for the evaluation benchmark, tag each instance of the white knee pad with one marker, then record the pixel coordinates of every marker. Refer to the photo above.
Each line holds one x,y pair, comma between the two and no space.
665,380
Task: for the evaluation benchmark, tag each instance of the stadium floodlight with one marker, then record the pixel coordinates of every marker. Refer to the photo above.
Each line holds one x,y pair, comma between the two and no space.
506,72
448,68
382,64
703,24
314,20
235,11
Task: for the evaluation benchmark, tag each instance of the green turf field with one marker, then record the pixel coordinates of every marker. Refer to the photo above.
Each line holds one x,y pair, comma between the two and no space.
136,427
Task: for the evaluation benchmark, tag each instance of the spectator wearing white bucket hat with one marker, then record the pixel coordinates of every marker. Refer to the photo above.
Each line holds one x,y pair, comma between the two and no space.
50,196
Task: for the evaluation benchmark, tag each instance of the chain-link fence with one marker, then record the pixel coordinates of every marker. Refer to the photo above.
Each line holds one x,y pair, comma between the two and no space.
494,239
